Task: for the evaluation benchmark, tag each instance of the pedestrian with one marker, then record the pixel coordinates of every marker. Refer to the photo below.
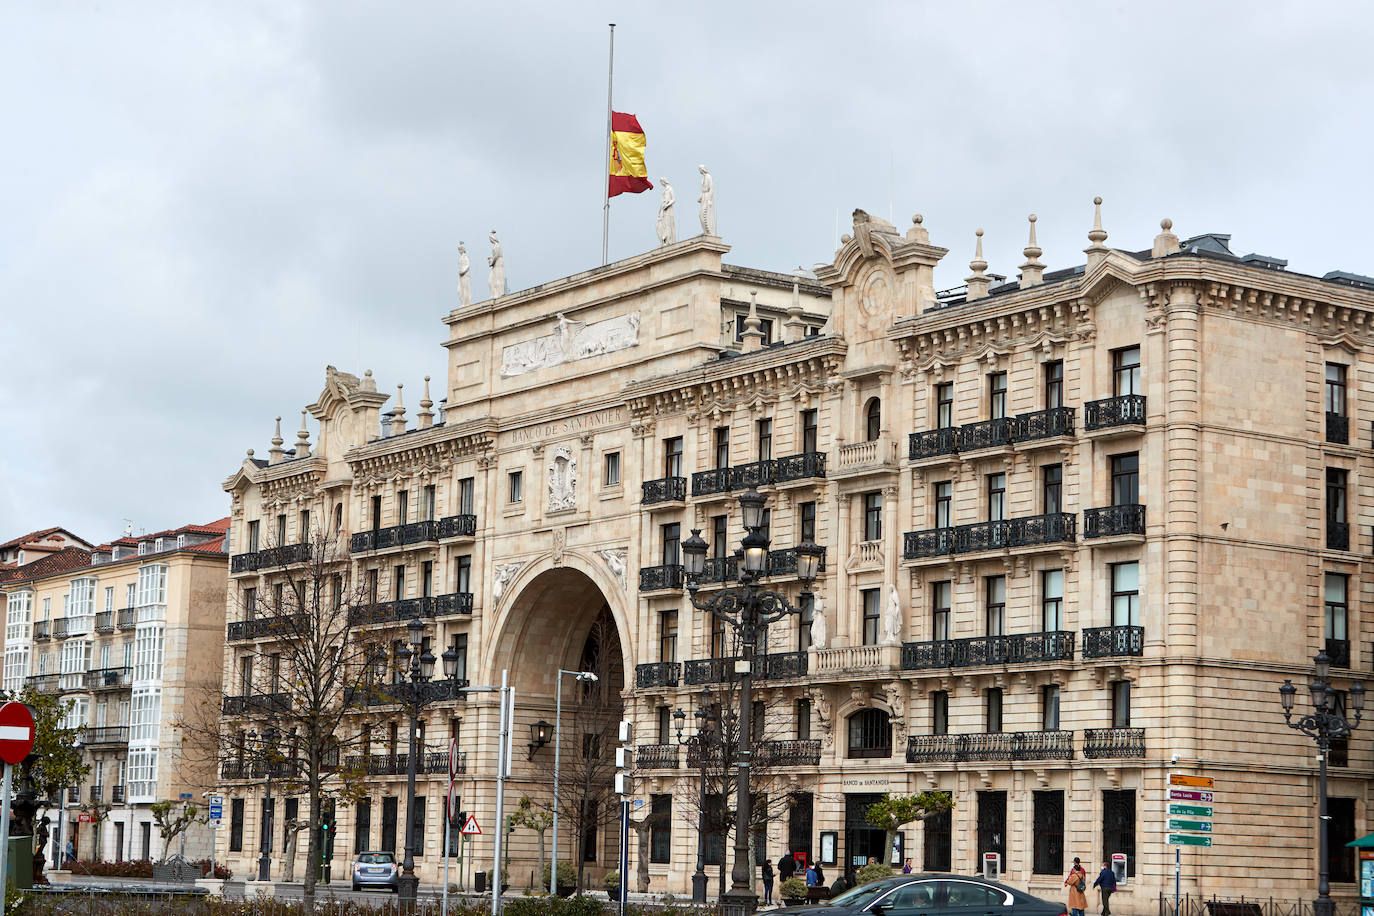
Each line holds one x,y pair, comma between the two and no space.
768,882
820,875
71,854
1077,883
906,867
811,879
1106,884
787,866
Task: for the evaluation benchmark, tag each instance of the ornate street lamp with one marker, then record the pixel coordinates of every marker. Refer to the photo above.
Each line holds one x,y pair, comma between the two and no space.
418,664
706,719
269,750
539,736
1323,724
748,609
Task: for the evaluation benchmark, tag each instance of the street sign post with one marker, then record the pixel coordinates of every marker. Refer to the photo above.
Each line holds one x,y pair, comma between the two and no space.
1199,826
16,741
1190,810
1184,779
471,828
1190,795
1187,839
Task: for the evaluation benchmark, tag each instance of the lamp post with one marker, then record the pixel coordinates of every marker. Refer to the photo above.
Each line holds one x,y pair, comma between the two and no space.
1325,723
706,719
583,677
417,663
269,743
747,609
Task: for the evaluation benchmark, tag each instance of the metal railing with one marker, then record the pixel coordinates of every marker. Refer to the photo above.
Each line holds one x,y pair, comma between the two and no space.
126,619
263,627
1107,521
1113,642
258,769
985,434
1043,424
1026,427
59,627
429,761
458,526
104,622
42,629
107,734
96,793
970,651
1123,410
771,667
1227,905
664,490
392,611
933,443
264,703
1029,531
453,603
754,474
1108,743
784,562
657,757
42,683
801,466
401,692
109,678
117,795
1337,428
790,752
283,555
422,532
1042,745
652,578
73,795
658,674
720,569
709,483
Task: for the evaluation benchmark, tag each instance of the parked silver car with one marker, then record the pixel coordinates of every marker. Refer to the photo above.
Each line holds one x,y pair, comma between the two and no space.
376,869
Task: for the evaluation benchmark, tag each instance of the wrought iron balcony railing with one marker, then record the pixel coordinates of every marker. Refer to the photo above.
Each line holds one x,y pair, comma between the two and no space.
720,569
758,474
774,666
117,795
664,490
754,474
1124,410
401,692
42,683
106,734
264,627
1043,424
792,752
1026,427
1104,743
42,629
933,443
104,622
1337,536
261,703
126,619
1013,649
1056,528
1338,650
1337,428
430,761
453,603
392,611
422,532
708,483
784,562
259,769
801,466
109,678
653,578
657,757
1112,520
658,674
284,555
1113,642
985,434
1051,745
73,795
59,627
458,526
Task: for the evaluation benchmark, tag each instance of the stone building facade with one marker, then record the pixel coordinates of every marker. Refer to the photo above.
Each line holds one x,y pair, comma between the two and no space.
1078,527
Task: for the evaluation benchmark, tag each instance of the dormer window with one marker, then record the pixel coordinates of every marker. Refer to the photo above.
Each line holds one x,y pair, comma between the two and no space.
181,541
158,545
142,548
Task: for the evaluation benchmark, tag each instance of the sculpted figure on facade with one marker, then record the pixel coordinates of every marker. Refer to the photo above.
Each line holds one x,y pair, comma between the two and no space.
563,480
894,692
496,280
707,200
615,559
571,340
823,709
464,276
667,220
820,632
892,619
504,573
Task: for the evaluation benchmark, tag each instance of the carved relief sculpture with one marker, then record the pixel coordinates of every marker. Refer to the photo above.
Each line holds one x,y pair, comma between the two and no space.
571,340
892,619
563,480
504,573
819,631
616,559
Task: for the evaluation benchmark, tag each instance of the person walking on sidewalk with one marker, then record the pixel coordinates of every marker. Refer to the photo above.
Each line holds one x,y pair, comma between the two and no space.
787,866
1106,884
768,882
1077,883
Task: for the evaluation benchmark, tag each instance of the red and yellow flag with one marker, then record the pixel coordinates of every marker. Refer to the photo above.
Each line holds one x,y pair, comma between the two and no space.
629,175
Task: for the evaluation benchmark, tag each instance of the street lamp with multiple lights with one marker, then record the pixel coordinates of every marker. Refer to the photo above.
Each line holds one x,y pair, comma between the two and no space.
706,721
269,811
417,663
748,609
1325,723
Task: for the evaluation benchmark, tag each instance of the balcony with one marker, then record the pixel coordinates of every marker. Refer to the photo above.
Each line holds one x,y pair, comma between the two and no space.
664,490
858,457
1043,424
784,562
1109,413
284,555
658,674
104,622
1113,642
655,578
402,691
73,795
1337,536
985,434
709,483
42,629
803,466
720,569
107,734
59,627
794,752
126,619
1030,531
1054,745
263,627
999,433
656,757
424,532
453,603
429,761
933,443
71,682
846,659
972,651
261,703
259,769
1113,521
458,526
117,795
1338,650
775,666
392,611
96,793
1337,428
1109,743
754,474
42,683
109,678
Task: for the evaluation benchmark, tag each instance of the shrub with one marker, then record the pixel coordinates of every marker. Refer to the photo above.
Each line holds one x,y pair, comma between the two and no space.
612,883
567,875
794,888
875,872
554,906
137,868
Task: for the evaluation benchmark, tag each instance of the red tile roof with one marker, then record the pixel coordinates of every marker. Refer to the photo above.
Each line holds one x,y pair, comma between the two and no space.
215,546
64,560
38,535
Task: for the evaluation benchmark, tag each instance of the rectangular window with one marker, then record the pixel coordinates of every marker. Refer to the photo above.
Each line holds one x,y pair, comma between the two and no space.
944,405
722,447
1125,479
801,822
806,522
429,499
939,835
467,488
995,592
873,516
281,529
152,586
660,829
997,497
109,599
994,710
941,593
612,476
516,481
672,457
1126,371
417,826
805,619
872,614
146,713
148,652
667,638
1339,755
665,724
992,827
939,712
720,536
371,580
997,395
389,808
427,579
1121,704
459,644
1054,384
1337,510
765,439
462,578
403,507
719,643
1125,594
1340,831
943,497
253,536
802,713
1048,833
1118,826
1051,600
236,806
376,513
1335,591
672,543
304,520
589,839
1335,389
810,440
1052,488
398,582
1049,708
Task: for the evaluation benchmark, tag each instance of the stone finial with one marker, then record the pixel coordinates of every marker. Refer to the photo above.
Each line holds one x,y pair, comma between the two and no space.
425,418
1097,235
917,232
1032,272
276,454
302,439
1166,242
398,414
977,283
794,325
368,383
753,326
250,453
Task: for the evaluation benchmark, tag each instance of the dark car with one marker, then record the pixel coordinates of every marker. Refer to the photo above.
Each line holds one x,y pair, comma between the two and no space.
376,869
931,895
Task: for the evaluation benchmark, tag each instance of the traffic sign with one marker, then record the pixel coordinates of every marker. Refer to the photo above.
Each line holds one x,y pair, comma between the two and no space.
452,803
454,759
1188,839
471,828
185,796
216,810
84,817
16,732
1180,779
1200,826
1191,795
1191,810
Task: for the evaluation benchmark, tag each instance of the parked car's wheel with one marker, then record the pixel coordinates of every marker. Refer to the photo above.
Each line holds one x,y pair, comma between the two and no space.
355,887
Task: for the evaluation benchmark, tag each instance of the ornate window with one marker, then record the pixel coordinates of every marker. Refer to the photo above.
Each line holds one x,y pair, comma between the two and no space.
870,734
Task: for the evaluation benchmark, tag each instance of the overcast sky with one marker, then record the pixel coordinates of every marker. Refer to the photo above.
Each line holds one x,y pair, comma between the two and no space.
205,204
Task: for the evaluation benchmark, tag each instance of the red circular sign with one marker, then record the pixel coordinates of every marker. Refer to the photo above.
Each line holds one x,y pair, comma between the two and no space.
16,732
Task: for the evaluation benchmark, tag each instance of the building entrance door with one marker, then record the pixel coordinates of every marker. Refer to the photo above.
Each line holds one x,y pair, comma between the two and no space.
860,840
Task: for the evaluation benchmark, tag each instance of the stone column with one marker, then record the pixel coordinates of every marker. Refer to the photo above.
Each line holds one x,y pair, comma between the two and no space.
839,620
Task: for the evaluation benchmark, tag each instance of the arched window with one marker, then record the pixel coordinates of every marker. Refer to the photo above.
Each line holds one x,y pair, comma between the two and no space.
870,734
873,419
338,517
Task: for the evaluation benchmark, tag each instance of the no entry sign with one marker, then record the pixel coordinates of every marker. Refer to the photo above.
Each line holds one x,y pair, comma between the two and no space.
16,732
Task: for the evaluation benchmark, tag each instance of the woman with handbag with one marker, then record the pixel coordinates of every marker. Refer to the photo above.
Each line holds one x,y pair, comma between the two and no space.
1077,883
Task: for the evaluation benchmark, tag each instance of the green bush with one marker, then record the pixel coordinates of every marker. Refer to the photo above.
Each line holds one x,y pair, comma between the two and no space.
554,906
795,888
580,906
611,883
875,872
567,875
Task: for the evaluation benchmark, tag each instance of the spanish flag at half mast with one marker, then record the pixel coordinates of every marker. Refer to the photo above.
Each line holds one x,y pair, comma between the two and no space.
629,175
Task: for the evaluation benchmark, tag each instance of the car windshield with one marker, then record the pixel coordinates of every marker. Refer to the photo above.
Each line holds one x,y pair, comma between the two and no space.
857,897
376,858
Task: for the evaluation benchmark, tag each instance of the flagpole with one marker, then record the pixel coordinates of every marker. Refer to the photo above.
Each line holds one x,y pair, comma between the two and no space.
606,162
